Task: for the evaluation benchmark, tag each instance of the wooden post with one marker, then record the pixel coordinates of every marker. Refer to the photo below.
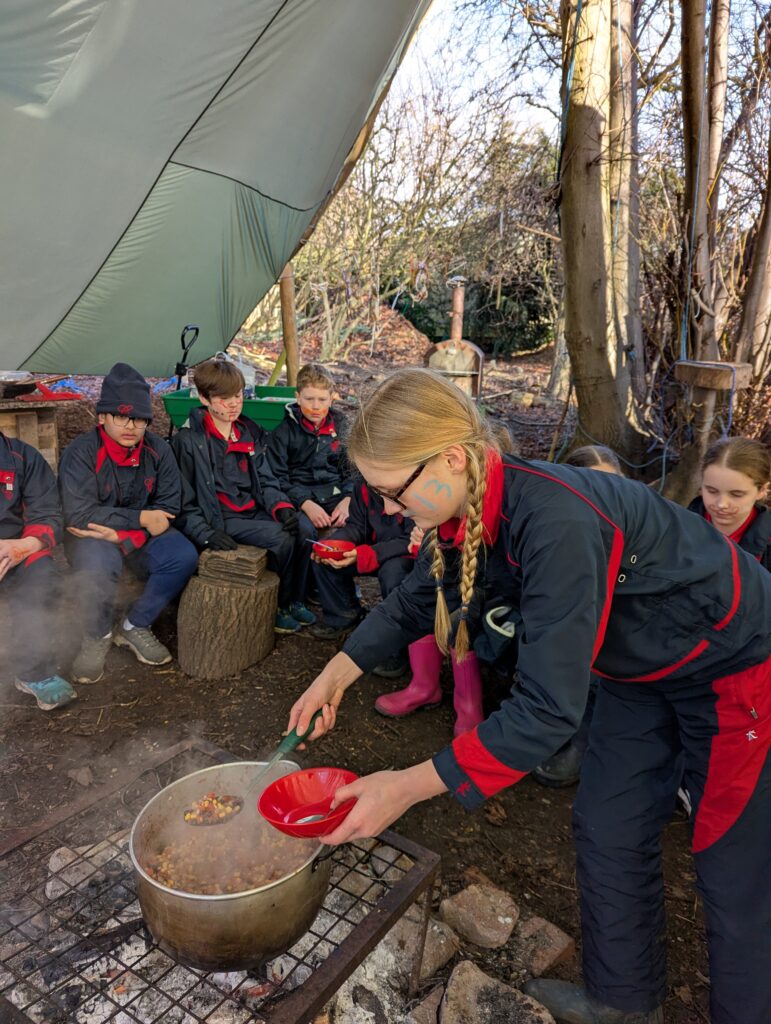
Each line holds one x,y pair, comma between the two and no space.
289,323
458,285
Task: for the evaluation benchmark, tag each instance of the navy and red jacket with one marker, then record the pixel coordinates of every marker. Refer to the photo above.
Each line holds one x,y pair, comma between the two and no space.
309,461
222,478
102,482
377,536
609,578
754,535
29,500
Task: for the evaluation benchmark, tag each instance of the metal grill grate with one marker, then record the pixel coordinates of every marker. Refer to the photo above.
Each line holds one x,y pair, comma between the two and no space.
74,948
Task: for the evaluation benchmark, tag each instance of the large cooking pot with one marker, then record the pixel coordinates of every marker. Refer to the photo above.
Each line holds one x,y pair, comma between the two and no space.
234,931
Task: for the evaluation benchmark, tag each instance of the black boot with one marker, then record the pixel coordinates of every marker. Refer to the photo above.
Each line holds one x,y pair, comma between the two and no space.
562,768
571,1004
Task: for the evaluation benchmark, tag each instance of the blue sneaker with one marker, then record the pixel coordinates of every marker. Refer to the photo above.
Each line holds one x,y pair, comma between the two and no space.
50,693
286,623
303,615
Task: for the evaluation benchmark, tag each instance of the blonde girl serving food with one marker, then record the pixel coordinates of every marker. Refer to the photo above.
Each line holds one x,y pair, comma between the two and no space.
610,578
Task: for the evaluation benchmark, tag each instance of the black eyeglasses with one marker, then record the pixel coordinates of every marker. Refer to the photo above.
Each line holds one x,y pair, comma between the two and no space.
397,494
133,421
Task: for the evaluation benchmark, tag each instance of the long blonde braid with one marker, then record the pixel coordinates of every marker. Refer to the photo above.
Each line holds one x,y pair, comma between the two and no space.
471,544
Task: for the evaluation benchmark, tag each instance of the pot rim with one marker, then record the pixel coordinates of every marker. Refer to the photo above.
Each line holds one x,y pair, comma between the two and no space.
222,897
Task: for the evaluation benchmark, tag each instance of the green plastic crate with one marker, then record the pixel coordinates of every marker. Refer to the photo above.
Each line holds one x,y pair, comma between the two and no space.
266,408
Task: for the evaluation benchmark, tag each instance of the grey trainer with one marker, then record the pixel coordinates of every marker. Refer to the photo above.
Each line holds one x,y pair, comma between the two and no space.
88,667
144,643
572,1004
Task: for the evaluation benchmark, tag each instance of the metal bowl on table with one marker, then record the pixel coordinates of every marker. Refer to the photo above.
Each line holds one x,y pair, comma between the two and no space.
226,930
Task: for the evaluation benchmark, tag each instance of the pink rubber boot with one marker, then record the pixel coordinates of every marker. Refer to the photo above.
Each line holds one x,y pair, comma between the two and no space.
467,695
424,690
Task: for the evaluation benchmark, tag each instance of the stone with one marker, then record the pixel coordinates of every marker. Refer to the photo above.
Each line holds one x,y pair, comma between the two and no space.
441,946
83,776
427,1011
472,997
483,914
539,944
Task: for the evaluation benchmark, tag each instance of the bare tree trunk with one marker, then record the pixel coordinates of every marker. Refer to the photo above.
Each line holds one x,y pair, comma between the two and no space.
625,207
718,82
701,321
586,229
700,325
559,378
756,311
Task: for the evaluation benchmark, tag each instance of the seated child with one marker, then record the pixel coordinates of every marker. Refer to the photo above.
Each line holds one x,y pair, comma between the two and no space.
30,526
383,546
735,478
305,451
120,491
229,493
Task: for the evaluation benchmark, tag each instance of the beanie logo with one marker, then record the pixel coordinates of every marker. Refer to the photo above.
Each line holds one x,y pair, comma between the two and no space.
125,410
149,484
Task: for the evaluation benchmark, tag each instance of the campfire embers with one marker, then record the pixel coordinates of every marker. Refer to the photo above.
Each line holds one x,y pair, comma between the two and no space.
74,949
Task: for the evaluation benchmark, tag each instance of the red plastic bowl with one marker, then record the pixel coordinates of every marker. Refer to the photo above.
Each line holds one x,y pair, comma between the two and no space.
341,547
300,794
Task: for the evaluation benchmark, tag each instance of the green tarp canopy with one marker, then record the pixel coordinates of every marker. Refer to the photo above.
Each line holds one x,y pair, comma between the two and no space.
160,160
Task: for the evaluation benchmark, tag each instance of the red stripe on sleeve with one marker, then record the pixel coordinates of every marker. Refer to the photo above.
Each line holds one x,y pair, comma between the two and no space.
43,533
487,773
737,582
616,551
135,537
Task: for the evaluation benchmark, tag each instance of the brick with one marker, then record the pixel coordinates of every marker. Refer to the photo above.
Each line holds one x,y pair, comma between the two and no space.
539,945
483,914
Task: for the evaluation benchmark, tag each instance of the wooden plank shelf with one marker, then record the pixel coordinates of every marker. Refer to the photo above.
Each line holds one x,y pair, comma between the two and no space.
716,376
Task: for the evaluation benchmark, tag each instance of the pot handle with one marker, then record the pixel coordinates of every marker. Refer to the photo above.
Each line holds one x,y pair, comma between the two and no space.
325,854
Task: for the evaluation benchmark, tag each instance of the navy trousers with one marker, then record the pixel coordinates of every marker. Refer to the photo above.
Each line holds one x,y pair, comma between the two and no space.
166,562
337,587
307,532
644,738
262,531
33,593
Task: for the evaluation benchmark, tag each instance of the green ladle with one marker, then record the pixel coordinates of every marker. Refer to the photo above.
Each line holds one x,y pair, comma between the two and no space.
219,810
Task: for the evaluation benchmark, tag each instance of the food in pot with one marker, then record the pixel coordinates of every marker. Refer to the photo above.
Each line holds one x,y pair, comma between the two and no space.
247,863
212,809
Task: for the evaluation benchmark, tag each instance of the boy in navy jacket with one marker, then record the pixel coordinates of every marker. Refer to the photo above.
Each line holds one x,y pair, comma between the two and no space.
30,526
120,491
229,493
306,453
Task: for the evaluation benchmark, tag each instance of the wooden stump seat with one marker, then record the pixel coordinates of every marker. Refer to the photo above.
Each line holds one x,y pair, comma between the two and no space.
227,613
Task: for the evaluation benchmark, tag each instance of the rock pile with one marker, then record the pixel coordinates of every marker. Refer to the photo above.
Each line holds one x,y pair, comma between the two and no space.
482,915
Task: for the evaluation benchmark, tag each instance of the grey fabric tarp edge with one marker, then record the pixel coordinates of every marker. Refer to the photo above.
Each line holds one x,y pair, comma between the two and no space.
162,162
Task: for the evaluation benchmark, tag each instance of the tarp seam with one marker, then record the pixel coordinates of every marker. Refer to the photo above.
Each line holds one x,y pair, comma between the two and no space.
252,188
149,192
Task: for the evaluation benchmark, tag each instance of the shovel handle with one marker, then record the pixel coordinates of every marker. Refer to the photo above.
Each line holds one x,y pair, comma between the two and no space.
292,740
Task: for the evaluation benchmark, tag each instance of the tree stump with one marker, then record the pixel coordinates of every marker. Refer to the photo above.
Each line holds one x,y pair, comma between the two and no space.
225,625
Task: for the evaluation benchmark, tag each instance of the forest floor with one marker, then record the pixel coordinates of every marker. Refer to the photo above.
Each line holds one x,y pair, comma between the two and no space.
521,839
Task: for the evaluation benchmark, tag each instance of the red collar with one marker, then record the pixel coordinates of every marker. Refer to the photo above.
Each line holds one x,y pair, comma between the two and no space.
740,531
737,535
327,425
211,428
232,446
454,530
117,453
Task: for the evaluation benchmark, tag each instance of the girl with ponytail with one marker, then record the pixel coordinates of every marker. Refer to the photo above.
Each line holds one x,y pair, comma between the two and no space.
612,579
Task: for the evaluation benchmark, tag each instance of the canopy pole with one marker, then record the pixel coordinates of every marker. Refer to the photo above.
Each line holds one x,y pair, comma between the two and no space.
289,323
